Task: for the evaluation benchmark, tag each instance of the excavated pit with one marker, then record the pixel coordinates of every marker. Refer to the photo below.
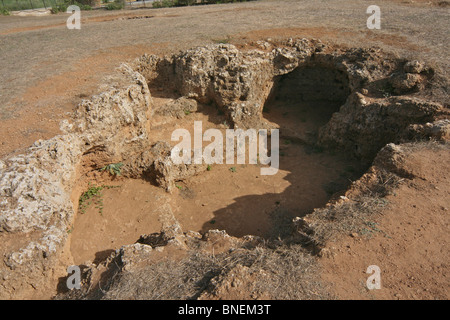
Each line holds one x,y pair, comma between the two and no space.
235,198
304,100
336,108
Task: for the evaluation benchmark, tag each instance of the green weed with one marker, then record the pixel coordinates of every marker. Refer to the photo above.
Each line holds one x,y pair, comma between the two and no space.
93,195
113,169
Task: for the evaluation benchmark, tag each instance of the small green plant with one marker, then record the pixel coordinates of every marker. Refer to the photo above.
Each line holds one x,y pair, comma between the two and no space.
387,90
179,187
92,195
187,112
208,168
4,12
87,197
233,169
113,168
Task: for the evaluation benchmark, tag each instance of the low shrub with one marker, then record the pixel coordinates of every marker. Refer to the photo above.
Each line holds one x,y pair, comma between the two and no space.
180,3
116,5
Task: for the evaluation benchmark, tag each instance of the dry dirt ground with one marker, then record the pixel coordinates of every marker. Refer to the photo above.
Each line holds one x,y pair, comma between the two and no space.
47,69
410,244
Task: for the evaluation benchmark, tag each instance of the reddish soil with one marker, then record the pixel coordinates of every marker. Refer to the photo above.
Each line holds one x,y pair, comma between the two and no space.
231,197
54,98
412,248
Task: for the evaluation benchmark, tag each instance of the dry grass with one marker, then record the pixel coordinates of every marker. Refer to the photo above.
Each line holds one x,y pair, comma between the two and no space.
46,68
290,273
293,274
356,216
166,280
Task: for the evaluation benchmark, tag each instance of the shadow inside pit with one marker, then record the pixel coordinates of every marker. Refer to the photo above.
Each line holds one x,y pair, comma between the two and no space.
61,287
300,103
313,181
102,256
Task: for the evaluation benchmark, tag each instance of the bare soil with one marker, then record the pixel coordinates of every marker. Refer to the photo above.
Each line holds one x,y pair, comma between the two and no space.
411,246
231,197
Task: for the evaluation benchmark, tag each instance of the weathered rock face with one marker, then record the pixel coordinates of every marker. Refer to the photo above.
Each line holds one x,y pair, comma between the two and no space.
178,108
35,188
165,171
412,78
362,127
374,109
238,83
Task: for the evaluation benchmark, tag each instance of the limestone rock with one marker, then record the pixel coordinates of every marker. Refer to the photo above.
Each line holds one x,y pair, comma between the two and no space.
178,108
35,187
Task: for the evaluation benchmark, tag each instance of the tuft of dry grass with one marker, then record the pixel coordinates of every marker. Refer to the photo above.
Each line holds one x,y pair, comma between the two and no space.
289,272
358,215
292,274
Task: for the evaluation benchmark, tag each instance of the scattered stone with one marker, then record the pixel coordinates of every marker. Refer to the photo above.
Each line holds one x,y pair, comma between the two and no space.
178,108
406,83
414,67
326,253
